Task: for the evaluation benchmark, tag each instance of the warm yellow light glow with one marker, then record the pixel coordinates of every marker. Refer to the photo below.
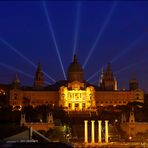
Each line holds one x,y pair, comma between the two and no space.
116,85
86,131
73,106
99,131
106,131
73,98
92,131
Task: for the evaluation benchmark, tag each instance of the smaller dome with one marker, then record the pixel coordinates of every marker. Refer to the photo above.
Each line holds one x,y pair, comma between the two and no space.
75,66
75,71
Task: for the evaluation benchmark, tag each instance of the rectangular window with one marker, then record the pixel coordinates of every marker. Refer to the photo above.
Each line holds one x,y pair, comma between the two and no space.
77,105
83,105
69,105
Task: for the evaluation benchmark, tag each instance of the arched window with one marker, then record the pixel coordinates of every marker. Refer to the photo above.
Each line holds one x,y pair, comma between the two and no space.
15,96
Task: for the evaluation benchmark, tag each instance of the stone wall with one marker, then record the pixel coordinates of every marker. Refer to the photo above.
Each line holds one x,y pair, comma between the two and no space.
134,128
39,126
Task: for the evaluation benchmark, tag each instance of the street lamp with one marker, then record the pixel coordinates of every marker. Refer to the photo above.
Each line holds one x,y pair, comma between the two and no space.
130,138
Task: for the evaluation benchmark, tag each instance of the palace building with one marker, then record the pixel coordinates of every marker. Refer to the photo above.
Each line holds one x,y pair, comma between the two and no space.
75,94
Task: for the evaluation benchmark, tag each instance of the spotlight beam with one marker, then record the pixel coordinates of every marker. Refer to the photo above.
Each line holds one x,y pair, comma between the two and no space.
19,71
95,81
49,76
129,66
76,30
126,50
23,57
16,70
100,33
92,76
125,68
95,74
53,37
17,52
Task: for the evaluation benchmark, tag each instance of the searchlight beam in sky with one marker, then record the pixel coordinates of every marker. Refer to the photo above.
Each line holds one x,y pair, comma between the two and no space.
100,33
125,51
23,57
53,37
16,70
129,48
76,30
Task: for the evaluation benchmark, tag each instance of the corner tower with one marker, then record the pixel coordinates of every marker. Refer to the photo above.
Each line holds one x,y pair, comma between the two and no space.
109,81
16,82
39,81
133,84
75,71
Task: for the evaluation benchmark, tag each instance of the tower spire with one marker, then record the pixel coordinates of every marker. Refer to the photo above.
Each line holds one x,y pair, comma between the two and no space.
109,73
39,67
109,81
101,76
133,84
16,82
39,81
75,58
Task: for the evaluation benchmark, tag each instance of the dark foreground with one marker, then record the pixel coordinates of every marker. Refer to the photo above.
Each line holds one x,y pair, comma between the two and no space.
36,145
75,145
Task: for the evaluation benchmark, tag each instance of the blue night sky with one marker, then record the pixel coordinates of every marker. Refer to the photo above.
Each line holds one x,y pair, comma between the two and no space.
98,32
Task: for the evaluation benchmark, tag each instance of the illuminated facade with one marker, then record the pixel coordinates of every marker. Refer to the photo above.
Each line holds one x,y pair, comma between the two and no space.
74,94
77,97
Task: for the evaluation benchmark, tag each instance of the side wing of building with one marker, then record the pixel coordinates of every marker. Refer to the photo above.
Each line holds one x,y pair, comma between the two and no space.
106,98
34,98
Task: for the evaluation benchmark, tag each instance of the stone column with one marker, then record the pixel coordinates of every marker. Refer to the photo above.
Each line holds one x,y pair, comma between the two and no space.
30,133
92,131
106,131
85,131
80,106
73,106
99,131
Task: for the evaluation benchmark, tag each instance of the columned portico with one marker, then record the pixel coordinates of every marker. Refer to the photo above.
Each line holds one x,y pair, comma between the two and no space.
106,131
77,97
92,134
73,106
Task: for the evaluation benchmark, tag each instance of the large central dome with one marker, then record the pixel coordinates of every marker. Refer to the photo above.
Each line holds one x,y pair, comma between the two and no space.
75,71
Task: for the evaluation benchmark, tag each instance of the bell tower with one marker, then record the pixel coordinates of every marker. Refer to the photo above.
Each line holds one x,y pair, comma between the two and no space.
109,82
16,82
39,81
133,84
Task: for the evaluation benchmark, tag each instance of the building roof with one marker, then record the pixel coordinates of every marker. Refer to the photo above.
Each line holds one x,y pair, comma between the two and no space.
75,66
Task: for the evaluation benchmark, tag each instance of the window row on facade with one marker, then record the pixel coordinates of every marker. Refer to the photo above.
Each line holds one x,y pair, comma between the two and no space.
111,102
15,103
